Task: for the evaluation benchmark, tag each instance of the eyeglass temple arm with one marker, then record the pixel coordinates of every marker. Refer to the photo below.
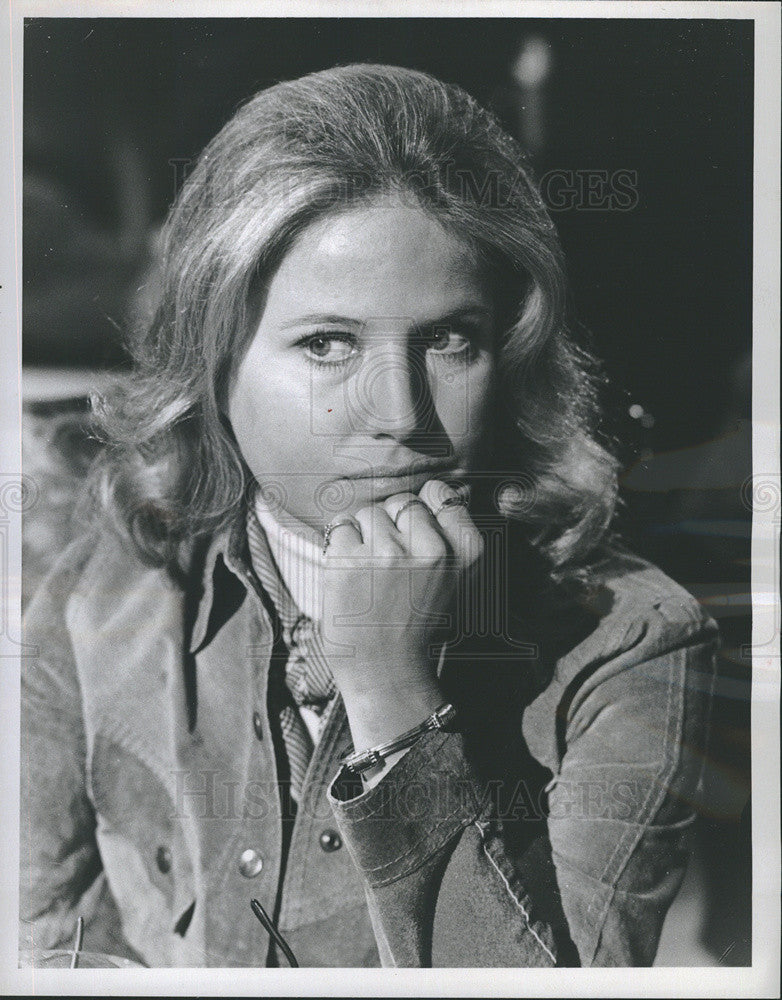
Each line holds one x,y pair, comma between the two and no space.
272,931
77,942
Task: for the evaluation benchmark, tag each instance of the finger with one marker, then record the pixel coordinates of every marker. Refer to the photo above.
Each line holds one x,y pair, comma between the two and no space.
401,509
380,536
435,493
449,509
342,537
419,529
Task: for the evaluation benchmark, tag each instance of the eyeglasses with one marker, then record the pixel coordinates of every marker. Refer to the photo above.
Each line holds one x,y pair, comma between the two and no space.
273,933
77,943
74,954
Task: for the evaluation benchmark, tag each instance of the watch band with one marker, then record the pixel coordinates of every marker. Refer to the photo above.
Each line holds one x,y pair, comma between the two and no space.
365,759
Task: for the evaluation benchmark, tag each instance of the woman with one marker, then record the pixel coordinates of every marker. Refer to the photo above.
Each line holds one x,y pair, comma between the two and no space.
353,490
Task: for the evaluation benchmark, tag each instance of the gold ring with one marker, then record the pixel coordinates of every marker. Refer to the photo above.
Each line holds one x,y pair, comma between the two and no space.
333,525
405,505
455,501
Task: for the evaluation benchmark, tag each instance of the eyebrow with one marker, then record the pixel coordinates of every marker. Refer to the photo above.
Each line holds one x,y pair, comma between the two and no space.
462,313
318,318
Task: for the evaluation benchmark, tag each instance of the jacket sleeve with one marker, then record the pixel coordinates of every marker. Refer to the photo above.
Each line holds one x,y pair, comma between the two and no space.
444,882
60,868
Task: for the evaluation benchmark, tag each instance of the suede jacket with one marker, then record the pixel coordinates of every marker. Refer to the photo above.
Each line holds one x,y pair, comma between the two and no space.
550,828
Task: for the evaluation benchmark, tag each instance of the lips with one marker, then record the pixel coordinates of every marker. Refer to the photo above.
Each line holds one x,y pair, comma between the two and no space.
429,472
384,482
426,465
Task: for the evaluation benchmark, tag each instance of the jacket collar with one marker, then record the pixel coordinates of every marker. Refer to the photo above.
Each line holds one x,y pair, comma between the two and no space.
221,575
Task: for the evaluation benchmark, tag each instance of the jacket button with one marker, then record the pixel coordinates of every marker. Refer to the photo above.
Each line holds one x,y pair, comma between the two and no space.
258,725
163,858
250,863
330,841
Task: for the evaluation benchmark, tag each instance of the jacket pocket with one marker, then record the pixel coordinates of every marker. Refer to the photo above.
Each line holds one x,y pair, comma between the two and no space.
142,848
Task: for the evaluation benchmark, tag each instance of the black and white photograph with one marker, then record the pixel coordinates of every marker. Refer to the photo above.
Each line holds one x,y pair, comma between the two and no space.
391,510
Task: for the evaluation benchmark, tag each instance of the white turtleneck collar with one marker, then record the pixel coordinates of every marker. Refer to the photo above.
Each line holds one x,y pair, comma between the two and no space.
298,559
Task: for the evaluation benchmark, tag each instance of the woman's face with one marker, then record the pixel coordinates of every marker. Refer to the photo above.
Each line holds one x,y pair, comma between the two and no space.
371,369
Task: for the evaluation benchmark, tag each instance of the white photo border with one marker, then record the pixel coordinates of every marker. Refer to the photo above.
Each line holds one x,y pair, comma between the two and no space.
762,978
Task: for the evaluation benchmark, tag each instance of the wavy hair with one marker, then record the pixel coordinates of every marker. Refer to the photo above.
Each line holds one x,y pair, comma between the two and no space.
172,469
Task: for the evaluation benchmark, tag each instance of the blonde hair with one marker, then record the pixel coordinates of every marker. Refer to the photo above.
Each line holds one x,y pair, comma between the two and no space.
172,469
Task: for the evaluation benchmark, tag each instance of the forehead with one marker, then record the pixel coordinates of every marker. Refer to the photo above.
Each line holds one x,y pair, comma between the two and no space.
388,259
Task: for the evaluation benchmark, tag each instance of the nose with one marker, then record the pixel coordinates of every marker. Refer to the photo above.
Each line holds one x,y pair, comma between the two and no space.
392,395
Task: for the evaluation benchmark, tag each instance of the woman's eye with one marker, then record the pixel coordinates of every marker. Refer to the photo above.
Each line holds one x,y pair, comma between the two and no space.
449,343
329,348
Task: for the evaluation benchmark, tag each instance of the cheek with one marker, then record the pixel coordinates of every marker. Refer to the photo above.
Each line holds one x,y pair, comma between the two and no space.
255,416
259,401
275,422
463,402
244,410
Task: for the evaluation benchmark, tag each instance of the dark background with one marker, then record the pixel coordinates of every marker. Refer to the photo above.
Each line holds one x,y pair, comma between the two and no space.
116,108
665,287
